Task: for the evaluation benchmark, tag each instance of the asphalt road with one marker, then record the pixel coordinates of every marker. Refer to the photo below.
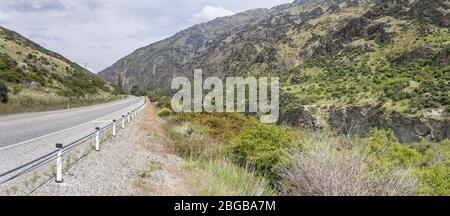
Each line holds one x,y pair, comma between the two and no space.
25,129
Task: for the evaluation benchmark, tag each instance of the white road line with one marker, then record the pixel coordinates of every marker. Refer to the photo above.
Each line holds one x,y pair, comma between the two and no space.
54,133
41,137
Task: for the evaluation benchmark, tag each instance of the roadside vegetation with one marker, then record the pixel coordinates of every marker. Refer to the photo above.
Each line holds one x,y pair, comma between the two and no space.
35,79
235,154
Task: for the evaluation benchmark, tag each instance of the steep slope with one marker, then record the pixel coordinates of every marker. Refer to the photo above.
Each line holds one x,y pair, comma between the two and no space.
155,64
39,79
391,55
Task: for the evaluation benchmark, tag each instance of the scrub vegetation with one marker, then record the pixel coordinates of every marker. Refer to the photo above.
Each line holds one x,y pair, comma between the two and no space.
35,79
276,159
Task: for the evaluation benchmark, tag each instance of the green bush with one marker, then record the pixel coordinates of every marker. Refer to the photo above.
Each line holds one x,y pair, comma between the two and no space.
164,112
164,102
3,93
429,161
118,90
6,62
135,90
153,96
220,126
385,146
434,181
265,147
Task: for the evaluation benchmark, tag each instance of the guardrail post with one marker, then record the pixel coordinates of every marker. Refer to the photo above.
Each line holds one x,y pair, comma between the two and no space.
97,139
132,114
59,163
123,121
114,127
128,116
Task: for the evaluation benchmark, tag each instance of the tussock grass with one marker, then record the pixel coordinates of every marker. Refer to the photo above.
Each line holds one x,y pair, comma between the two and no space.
327,169
220,178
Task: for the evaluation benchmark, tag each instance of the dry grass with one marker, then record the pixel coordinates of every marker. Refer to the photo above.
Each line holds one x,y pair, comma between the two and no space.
327,169
223,178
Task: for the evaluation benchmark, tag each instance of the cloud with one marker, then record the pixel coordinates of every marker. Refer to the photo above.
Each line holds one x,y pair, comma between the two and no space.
37,5
114,28
209,12
3,17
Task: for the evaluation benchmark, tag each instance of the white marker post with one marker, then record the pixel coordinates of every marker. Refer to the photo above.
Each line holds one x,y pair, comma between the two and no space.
97,139
123,121
114,128
128,116
59,163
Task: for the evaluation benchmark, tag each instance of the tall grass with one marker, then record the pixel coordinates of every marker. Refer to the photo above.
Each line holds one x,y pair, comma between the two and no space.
327,169
220,178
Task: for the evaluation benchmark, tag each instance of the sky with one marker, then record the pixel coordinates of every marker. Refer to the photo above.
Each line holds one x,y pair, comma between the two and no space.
100,32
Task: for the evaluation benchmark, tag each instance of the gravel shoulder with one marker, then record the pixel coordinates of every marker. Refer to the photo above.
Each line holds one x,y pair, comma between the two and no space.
135,163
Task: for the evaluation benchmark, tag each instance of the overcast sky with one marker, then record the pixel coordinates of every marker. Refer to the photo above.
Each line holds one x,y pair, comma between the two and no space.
100,32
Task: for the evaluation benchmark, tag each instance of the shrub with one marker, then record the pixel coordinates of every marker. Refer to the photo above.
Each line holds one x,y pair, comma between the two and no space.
434,181
191,141
325,169
164,112
164,102
265,147
135,90
3,93
118,90
221,126
385,146
153,96
6,62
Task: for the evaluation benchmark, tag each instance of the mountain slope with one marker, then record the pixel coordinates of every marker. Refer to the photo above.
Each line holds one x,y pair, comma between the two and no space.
391,55
39,79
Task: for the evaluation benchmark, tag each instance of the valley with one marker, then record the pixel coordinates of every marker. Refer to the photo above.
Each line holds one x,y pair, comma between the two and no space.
389,57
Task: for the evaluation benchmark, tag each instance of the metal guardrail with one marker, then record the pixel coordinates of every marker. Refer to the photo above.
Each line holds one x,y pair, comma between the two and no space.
62,150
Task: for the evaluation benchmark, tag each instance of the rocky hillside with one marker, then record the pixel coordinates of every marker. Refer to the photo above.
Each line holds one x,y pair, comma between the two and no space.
392,55
33,76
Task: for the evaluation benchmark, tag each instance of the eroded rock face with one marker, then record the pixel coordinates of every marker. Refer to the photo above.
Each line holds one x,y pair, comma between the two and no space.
359,120
432,11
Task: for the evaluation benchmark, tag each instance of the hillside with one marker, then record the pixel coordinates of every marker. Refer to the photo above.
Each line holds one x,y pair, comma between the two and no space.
38,79
361,64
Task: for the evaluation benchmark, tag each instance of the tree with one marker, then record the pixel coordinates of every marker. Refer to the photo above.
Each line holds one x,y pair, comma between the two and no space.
3,93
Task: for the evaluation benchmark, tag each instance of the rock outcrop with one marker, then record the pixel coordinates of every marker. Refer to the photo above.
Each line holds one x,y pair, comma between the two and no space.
361,119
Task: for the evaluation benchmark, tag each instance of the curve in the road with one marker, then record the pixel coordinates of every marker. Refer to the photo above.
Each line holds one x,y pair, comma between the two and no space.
23,128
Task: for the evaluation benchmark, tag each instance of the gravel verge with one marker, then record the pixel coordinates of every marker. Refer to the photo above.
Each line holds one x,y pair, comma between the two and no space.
135,163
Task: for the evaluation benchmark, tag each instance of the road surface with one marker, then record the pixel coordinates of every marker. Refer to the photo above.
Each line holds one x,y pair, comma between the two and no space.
27,136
